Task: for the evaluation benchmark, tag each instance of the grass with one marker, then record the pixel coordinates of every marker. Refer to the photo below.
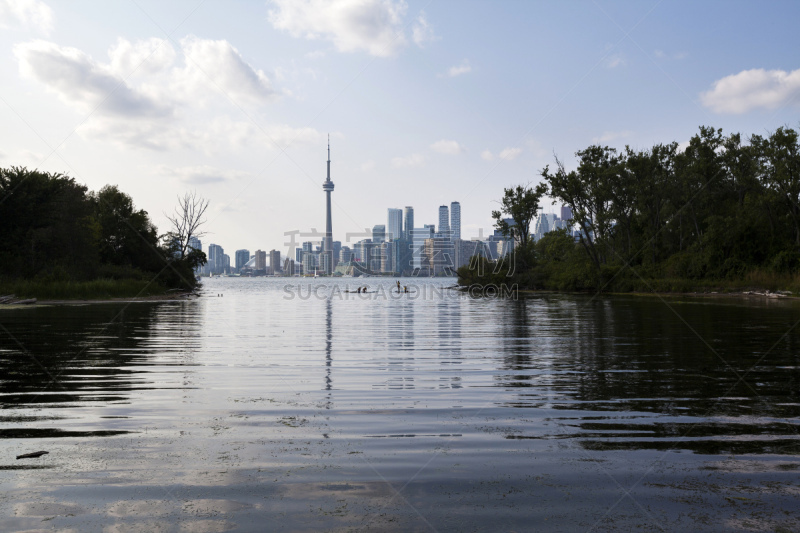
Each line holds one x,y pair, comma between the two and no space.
80,290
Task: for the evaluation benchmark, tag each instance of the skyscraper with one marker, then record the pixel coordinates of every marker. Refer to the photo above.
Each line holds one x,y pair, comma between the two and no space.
261,260
444,222
408,223
216,259
327,243
455,221
275,261
242,257
378,233
394,224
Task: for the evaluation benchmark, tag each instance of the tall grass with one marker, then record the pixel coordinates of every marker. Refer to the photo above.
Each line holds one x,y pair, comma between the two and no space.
80,290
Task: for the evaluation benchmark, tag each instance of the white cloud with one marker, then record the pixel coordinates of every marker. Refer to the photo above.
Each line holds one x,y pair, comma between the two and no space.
200,174
374,26
213,66
368,166
159,108
487,155
147,57
456,70
615,61
608,136
413,160
81,82
447,147
510,153
422,32
752,89
31,14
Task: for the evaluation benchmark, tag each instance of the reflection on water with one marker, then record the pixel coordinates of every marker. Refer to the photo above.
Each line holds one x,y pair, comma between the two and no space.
307,406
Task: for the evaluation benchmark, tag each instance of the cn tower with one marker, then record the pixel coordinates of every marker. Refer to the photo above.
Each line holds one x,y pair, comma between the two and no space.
327,243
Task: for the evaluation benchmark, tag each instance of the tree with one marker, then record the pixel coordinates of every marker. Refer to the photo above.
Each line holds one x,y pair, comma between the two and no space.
186,222
589,193
781,157
126,237
521,204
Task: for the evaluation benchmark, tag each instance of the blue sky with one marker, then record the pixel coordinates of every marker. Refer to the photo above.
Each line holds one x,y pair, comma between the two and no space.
426,102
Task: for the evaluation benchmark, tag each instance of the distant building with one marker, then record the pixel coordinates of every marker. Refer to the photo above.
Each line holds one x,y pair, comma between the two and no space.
216,259
261,261
408,223
345,254
455,220
387,257
545,223
337,247
419,236
394,224
566,213
438,257
288,267
464,250
444,222
226,269
378,233
275,261
241,258
194,243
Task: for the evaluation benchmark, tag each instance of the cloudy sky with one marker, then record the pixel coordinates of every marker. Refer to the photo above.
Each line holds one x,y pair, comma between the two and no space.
425,102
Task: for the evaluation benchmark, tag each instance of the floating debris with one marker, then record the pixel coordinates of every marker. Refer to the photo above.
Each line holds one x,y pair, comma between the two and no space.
32,455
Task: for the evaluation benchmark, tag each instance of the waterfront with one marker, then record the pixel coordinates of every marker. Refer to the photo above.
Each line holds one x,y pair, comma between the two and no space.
292,404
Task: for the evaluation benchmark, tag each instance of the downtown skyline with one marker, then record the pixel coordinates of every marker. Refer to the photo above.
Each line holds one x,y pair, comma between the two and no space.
428,102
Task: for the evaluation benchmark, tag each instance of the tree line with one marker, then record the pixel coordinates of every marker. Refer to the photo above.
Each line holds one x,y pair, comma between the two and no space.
724,209
54,229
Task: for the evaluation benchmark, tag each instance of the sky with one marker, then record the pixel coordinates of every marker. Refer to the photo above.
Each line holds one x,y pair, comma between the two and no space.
425,102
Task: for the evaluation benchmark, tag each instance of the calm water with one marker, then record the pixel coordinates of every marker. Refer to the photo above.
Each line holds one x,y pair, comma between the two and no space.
262,406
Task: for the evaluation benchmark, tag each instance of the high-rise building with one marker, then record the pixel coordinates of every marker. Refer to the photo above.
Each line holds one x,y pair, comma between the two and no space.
387,257
378,233
216,259
345,254
438,257
394,224
337,247
455,220
241,258
195,243
444,222
566,213
327,243
419,235
275,261
261,260
226,259
288,267
408,223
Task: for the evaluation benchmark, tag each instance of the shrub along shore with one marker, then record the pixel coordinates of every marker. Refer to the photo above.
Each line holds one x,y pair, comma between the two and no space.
58,240
721,215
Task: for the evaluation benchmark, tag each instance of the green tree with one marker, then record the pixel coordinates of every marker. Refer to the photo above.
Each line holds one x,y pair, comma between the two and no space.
521,204
126,237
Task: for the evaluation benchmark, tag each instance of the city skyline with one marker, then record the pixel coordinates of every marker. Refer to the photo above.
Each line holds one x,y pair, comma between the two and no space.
235,100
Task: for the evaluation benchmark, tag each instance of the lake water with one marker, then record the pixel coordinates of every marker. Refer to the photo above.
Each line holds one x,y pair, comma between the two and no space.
293,405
